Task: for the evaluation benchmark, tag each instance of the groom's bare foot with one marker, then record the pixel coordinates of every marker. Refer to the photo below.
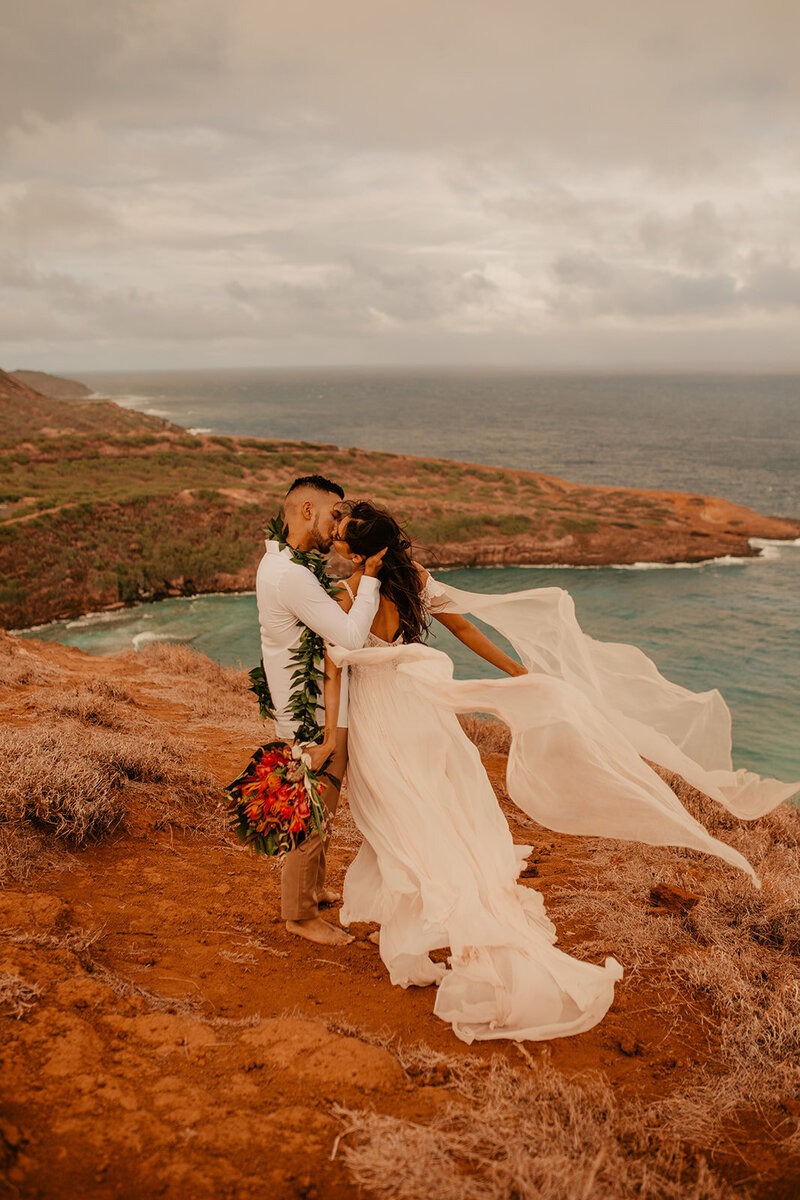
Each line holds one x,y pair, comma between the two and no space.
317,930
327,896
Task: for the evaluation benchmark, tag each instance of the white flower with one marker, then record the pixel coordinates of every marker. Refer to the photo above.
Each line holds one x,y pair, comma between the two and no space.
300,751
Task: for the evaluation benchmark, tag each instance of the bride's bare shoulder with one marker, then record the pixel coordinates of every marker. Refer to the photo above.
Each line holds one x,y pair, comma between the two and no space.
424,575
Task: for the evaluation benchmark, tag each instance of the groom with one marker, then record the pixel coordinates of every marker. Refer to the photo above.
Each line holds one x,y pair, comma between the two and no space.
289,598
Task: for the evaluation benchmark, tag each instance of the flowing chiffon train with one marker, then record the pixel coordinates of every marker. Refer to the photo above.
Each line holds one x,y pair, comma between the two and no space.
437,867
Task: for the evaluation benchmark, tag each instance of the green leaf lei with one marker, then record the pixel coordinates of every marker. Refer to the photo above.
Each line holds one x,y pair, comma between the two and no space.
309,657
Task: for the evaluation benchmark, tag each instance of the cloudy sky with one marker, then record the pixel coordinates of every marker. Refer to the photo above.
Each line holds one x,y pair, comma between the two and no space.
546,182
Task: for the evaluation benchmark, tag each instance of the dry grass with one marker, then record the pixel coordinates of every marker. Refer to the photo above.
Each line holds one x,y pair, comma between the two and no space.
490,736
74,782
25,850
182,660
733,956
54,780
19,666
208,689
97,703
531,1134
94,752
16,996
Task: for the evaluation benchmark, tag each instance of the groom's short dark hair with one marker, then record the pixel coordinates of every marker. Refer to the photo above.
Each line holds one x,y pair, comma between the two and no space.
320,483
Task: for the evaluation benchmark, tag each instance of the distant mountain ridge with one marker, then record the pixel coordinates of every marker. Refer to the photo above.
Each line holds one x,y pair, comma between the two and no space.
54,386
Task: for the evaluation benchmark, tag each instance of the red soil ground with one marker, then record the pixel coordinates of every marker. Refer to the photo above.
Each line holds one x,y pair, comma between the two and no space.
179,1046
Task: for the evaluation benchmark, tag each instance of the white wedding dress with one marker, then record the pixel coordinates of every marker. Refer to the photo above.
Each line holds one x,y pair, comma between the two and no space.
437,867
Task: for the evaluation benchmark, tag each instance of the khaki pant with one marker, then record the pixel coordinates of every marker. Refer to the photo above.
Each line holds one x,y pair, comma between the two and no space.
303,872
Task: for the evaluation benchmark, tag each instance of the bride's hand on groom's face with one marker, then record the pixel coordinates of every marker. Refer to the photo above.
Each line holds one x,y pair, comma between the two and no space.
374,563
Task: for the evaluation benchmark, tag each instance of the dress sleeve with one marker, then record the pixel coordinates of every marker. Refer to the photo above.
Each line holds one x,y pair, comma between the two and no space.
435,597
304,595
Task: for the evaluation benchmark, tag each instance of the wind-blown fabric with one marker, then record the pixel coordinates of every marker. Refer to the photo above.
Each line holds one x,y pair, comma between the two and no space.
686,732
437,867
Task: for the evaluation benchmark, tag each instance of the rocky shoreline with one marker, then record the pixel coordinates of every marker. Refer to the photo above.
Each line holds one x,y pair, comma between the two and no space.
689,547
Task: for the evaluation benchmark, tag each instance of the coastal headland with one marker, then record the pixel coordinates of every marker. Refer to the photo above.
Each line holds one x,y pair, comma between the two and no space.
163,1035
102,505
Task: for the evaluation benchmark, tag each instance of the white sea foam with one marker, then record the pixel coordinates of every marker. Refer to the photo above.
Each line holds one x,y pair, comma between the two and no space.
127,401
781,543
195,429
141,640
770,551
88,620
725,560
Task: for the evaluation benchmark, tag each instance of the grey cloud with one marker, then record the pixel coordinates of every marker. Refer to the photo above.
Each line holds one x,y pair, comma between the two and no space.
588,283
360,179
39,209
591,284
595,82
697,239
774,285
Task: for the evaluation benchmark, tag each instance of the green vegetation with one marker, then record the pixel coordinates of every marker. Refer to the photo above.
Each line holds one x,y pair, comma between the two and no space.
120,505
125,551
461,526
577,524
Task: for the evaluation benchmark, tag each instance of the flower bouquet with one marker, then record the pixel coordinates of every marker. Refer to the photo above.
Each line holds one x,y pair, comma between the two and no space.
275,802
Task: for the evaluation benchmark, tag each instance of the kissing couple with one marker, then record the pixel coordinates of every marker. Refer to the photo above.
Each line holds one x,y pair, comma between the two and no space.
437,867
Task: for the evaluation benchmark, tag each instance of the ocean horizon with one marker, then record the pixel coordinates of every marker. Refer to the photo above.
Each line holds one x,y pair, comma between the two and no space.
728,434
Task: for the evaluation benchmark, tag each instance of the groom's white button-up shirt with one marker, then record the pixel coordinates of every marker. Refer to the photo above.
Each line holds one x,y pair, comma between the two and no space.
289,597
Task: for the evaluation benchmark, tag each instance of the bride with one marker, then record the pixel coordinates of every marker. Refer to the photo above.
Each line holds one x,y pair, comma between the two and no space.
437,867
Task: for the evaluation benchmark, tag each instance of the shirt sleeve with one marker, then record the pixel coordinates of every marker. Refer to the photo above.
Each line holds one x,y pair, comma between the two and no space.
305,596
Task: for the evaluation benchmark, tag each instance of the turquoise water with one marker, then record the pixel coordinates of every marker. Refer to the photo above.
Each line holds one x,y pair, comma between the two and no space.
729,624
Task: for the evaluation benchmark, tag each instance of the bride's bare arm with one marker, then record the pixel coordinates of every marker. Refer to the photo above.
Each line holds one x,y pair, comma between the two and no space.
472,637
479,643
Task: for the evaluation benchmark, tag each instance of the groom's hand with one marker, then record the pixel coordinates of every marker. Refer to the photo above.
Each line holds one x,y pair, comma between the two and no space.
374,563
318,755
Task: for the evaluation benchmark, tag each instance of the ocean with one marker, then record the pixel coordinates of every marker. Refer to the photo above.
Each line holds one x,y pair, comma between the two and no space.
731,624
731,435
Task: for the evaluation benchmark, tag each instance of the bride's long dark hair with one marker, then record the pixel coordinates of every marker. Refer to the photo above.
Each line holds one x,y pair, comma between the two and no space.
368,530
